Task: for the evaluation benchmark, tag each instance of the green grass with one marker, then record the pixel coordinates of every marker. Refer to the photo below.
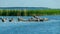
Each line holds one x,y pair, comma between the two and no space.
29,12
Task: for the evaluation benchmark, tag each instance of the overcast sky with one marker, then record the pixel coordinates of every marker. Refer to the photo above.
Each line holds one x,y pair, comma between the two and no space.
30,3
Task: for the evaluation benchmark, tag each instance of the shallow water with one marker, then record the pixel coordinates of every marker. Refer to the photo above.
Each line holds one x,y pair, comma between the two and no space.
47,27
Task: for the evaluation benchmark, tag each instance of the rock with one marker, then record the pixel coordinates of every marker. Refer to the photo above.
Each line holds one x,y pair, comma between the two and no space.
20,19
3,20
11,20
45,19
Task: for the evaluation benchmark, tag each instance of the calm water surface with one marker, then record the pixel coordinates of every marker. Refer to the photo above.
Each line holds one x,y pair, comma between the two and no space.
47,27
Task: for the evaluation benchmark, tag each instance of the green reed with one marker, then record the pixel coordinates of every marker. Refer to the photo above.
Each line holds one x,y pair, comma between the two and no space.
25,12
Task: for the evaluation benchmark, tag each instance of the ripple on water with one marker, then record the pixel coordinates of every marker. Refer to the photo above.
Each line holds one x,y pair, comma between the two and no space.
51,26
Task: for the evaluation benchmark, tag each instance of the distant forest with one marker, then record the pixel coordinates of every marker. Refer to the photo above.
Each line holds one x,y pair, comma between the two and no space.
25,12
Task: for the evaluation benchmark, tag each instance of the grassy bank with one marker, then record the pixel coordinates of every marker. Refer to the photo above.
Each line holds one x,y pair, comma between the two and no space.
29,12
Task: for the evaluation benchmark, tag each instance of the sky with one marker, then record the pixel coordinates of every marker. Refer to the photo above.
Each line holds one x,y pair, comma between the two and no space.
30,3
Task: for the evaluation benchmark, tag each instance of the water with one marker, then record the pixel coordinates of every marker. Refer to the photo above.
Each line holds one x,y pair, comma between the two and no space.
47,27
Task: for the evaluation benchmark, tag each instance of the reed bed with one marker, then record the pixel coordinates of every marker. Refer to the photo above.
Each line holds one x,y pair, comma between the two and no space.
25,12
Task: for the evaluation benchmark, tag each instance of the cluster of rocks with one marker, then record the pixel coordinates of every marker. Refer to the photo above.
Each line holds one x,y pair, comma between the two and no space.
34,18
4,19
